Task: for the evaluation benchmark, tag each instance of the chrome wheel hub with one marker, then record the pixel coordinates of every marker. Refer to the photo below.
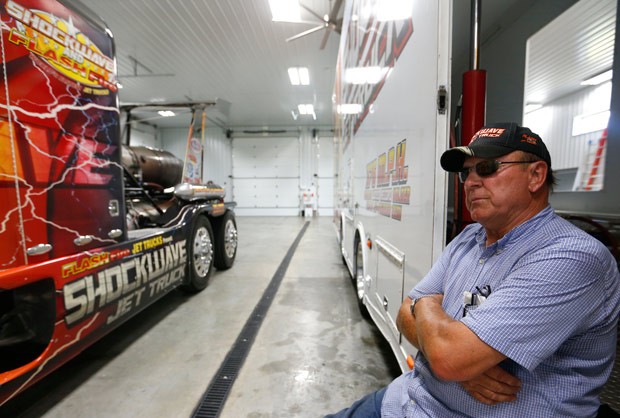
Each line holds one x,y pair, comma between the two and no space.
230,239
203,252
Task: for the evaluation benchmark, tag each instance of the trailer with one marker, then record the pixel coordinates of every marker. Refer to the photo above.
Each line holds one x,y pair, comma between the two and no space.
391,124
394,213
91,231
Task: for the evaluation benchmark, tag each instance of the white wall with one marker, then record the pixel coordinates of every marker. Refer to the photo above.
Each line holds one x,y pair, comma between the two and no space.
326,180
502,55
314,160
317,168
308,158
554,124
217,156
266,176
145,135
588,27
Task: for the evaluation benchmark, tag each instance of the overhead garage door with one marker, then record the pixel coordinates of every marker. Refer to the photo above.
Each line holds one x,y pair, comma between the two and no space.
266,176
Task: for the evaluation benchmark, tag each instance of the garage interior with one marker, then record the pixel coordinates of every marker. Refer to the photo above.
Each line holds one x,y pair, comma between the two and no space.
313,354
312,351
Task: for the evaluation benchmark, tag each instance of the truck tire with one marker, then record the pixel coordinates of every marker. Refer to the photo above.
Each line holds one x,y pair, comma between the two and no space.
225,240
200,256
358,279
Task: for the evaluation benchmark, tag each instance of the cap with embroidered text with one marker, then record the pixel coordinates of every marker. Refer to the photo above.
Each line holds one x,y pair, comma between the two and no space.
493,141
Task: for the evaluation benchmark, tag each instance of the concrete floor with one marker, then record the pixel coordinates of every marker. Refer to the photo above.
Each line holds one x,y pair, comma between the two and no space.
314,353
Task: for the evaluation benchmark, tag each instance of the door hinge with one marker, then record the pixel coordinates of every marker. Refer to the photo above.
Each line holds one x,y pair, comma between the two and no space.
442,100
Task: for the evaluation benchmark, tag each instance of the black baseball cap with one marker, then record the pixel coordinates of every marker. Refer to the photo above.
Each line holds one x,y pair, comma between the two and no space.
493,141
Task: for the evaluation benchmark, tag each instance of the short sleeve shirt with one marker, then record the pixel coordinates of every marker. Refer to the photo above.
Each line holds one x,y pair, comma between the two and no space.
553,311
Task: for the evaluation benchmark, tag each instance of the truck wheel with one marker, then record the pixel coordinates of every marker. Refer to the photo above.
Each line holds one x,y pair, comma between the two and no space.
200,256
358,280
225,241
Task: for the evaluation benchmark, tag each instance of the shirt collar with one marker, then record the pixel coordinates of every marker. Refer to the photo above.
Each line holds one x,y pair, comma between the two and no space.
515,233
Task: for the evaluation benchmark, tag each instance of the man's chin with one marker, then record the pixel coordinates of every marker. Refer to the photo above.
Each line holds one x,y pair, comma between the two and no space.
476,214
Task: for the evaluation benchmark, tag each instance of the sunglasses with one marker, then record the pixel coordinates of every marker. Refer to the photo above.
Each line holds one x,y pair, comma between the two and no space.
486,168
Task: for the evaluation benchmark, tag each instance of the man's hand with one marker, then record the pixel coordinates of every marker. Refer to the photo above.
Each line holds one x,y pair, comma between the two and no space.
493,386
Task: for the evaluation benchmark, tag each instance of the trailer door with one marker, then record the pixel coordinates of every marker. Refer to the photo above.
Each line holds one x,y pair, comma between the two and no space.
391,92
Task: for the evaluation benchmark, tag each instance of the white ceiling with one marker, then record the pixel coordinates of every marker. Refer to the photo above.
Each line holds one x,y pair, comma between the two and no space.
231,53
224,51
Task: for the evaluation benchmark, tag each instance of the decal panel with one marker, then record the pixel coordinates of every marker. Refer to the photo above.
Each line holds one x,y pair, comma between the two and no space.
59,132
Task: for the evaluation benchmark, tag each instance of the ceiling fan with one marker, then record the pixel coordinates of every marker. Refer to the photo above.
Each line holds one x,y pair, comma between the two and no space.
330,22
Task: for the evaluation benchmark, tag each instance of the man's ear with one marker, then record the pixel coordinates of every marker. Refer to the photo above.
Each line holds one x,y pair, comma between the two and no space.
538,175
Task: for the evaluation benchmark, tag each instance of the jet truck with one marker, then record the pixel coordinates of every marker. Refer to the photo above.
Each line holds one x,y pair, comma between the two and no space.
91,231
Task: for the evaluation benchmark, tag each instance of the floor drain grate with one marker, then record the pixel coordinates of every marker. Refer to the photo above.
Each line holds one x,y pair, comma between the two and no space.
217,392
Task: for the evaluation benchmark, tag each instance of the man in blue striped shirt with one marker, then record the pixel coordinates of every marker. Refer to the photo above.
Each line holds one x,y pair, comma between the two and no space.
518,317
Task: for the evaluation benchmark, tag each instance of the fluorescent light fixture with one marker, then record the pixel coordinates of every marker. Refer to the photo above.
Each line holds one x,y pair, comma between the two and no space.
364,75
285,10
598,79
166,113
306,109
299,76
349,108
584,124
394,10
530,107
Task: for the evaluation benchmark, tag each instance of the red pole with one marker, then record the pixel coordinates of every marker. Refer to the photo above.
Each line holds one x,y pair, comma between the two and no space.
474,100
473,114
473,110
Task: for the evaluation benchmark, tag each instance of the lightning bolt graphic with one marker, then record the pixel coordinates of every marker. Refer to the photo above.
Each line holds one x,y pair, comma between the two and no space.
51,357
84,163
